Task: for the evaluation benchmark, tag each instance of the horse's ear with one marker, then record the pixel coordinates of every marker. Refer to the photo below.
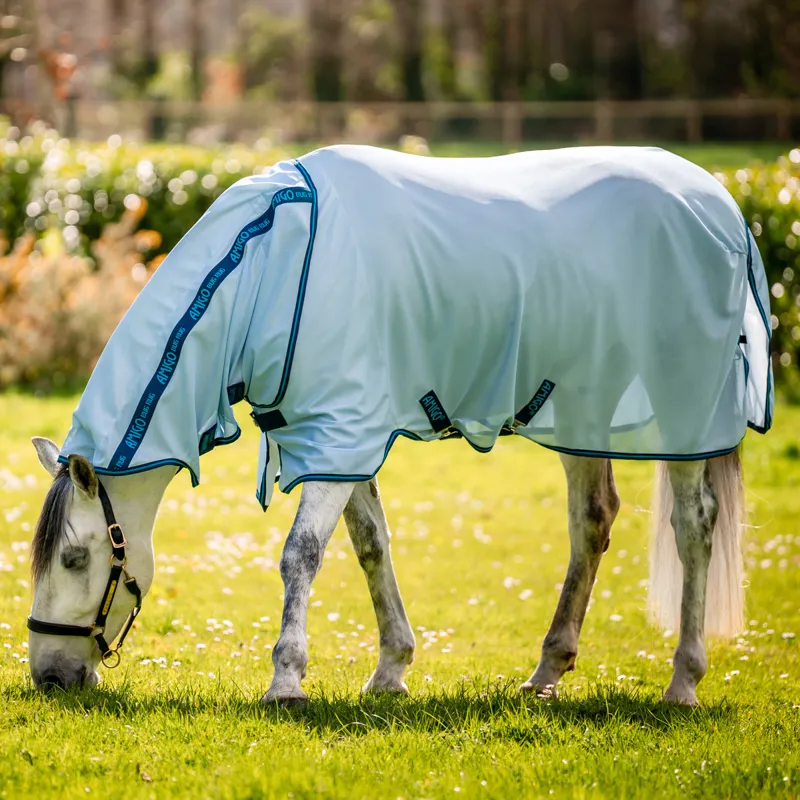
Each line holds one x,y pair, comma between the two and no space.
47,450
83,476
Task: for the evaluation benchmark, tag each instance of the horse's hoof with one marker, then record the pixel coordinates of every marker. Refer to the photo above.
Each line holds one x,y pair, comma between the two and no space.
376,687
295,699
680,697
293,702
548,692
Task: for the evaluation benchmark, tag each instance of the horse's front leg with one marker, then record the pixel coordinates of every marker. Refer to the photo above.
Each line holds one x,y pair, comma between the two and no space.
369,531
321,505
593,505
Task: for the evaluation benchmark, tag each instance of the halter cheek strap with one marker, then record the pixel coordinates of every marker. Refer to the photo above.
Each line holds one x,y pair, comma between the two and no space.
109,655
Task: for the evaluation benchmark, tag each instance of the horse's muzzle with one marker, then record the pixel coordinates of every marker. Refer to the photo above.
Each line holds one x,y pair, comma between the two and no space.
64,673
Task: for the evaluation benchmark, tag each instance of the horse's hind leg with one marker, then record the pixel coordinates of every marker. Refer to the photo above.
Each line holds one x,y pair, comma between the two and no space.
694,515
369,531
593,505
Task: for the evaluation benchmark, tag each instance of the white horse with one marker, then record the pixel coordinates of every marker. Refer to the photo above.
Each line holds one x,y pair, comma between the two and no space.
645,337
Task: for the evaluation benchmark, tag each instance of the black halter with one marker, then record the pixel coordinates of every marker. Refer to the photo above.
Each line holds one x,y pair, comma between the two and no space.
109,656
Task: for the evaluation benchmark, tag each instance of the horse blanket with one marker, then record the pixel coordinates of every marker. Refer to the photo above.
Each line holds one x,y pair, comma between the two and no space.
602,301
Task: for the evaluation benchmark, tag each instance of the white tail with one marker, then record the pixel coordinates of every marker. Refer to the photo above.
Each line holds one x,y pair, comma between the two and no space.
725,593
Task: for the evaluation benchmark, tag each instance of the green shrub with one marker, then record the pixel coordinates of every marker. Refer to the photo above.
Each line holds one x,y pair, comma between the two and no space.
769,196
50,183
66,193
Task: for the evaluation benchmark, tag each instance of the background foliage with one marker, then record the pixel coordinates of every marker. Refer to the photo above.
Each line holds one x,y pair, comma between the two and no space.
120,207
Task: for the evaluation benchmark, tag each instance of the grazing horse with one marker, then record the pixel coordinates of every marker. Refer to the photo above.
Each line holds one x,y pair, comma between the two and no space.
604,302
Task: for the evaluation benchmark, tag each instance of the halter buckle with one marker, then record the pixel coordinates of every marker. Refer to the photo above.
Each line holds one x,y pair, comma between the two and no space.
124,542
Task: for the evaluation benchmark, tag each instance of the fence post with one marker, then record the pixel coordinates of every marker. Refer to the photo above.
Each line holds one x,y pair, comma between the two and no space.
694,122
603,121
783,119
512,124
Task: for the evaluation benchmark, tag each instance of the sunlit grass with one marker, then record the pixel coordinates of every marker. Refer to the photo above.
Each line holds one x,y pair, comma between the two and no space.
480,549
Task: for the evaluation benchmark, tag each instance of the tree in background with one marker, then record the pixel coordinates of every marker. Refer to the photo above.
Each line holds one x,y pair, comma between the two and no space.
197,26
16,35
415,50
618,66
272,51
326,27
773,62
410,23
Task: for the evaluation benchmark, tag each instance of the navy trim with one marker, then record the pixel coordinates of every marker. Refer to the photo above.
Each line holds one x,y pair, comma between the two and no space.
638,456
754,289
146,407
164,462
262,490
223,440
586,453
395,435
752,281
301,292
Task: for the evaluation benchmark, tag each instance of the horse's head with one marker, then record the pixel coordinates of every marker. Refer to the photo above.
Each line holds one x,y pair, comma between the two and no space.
72,557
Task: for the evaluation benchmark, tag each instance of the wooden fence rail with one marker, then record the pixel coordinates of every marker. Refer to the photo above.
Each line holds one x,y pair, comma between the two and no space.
513,123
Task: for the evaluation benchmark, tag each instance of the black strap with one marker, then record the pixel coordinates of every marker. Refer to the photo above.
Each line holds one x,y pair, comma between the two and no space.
236,393
115,532
108,596
207,440
434,411
742,339
57,628
269,420
133,588
529,411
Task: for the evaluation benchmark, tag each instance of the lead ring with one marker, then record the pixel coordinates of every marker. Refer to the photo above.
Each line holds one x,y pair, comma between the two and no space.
108,658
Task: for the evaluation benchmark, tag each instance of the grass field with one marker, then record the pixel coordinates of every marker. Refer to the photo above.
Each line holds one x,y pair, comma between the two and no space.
480,548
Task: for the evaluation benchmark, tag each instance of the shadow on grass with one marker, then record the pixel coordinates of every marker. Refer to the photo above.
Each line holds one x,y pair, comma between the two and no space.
489,710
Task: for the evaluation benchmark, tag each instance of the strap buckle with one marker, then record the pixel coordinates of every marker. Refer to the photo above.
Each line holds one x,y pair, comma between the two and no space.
115,544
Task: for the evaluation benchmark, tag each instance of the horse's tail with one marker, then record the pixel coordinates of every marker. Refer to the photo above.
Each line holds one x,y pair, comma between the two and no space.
725,593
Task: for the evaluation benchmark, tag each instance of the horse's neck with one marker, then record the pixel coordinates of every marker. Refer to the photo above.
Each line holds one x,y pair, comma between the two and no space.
136,498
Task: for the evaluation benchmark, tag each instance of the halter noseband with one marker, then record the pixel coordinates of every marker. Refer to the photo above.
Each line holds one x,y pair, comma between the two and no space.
109,656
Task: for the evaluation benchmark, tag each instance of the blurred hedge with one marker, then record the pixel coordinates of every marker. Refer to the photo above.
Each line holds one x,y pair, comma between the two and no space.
48,183
769,196
64,194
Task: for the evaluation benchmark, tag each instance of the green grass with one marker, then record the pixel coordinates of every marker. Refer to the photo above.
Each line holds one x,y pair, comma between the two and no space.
480,547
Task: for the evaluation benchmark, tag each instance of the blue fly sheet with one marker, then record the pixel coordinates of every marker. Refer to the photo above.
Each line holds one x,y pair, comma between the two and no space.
602,301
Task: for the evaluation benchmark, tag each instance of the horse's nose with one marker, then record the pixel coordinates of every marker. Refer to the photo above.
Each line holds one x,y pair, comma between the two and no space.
62,676
52,680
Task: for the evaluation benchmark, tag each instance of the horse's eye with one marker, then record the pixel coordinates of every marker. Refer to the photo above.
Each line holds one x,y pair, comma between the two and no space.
75,558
